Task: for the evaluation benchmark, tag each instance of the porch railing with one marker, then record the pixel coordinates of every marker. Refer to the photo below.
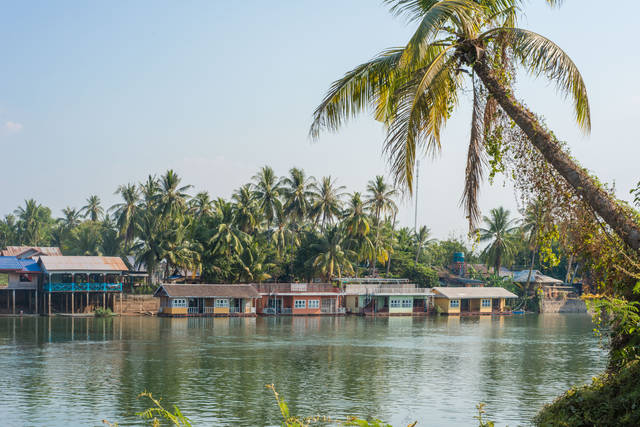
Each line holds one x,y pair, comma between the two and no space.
82,287
208,310
235,310
269,310
286,311
193,310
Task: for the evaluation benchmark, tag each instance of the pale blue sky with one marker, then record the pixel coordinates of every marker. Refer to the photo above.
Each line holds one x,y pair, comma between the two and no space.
96,94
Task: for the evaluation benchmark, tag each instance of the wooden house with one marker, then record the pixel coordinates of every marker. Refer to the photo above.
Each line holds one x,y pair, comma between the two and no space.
178,300
472,300
299,299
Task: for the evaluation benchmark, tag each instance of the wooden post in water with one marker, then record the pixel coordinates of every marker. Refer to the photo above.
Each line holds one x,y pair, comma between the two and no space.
104,300
87,305
36,296
72,301
49,310
14,301
120,302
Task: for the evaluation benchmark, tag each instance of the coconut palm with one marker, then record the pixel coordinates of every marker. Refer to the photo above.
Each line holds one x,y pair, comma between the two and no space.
414,89
284,234
355,220
500,233
201,205
93,210
126,212
327,201
254,267
172,198
228,240
267,191
70,218
149,250
297,191
421,240
149,190
332,258
380,202
246,212
530,226
32,222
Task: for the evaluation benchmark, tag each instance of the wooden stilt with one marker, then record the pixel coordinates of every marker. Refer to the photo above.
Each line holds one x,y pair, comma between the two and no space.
72,301
14,301
49,310
120,302
104,300
36,296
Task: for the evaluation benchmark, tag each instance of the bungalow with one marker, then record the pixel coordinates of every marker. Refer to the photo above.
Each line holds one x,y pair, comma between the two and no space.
206,300
386,297
299,299
68,280
19,283
466,300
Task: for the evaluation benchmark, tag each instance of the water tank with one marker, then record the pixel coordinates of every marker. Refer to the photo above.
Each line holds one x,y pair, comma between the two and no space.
458,257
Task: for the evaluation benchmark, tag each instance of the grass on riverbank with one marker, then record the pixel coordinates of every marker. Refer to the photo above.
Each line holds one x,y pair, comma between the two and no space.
611,400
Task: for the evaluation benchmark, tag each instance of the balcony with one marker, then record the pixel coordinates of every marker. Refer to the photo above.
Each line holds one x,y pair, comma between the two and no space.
82,287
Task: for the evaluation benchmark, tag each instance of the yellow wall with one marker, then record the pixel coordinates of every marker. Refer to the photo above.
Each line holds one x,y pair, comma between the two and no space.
221,310
174,310
486,309
501,304
350,302
443,304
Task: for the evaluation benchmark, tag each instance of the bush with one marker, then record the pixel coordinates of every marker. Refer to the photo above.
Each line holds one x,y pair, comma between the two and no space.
103,312
613,399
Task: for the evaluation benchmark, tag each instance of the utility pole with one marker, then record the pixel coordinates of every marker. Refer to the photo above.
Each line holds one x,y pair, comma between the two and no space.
415,220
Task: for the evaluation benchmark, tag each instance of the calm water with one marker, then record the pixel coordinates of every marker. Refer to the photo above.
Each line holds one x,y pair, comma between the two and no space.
63,371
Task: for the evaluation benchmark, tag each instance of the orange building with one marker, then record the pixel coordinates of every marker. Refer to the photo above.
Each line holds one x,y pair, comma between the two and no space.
299,299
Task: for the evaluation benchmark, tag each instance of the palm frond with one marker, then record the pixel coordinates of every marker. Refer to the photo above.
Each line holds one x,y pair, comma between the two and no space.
353,93
475,162
542,56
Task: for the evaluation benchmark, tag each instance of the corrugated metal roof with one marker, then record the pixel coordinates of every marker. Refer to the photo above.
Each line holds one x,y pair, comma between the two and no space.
42,250
15,264
463,292
536,277
207,291
83,263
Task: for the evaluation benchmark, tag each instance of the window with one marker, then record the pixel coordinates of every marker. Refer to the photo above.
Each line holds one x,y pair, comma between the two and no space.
314,303
407,303
25,278
486,303
395,303
300,303
222,303
179,302
454,303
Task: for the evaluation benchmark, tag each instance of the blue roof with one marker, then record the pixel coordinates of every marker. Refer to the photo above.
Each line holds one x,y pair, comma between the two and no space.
11,263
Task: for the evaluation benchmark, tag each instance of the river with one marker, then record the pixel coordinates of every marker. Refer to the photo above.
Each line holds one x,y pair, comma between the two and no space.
68,372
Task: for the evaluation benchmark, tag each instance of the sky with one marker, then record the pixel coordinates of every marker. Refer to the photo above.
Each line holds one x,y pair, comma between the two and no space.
98,94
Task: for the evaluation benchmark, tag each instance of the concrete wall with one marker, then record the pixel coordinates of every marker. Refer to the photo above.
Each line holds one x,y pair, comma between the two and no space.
570,305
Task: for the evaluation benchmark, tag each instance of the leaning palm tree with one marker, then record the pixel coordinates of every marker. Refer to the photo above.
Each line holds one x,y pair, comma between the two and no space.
327,201
93,210
267,191
421,240
414,89
126,212
500,233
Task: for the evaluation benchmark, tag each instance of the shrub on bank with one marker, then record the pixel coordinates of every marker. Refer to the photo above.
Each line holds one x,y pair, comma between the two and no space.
103,312
611,400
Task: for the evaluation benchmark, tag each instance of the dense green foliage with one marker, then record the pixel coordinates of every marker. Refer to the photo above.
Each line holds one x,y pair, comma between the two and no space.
274,228
611,400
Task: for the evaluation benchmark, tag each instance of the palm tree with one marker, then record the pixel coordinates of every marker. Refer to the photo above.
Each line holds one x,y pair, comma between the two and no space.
228,240
92,209
149,249
171,198
415,88
500,233
327,204
267,191
126,212
422,240
201,205
31,222
380,202
355,222
297,190
70,218
332,258
284,235
254,267
245,209
149,190
530,227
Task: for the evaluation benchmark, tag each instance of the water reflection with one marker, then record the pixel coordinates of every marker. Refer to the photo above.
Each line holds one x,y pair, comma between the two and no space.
67,371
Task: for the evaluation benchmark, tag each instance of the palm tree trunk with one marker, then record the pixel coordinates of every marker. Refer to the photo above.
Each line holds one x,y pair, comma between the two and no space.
583,184
533,259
